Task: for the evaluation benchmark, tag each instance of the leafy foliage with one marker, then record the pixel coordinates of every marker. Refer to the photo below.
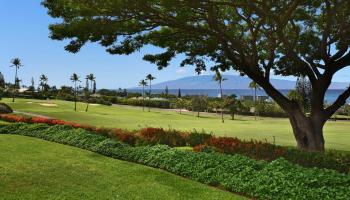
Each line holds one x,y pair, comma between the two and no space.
199,104
278,179
5,109
259,150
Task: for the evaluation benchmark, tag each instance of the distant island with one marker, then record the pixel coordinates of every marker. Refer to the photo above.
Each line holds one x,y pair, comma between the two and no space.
205,82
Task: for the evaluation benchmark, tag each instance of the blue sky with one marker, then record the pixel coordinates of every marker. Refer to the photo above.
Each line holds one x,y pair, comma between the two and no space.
24,34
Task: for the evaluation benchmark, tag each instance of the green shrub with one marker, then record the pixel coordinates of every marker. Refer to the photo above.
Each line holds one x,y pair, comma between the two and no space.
278,179
156,103
197,138
259,150
152,136
5,109
329,160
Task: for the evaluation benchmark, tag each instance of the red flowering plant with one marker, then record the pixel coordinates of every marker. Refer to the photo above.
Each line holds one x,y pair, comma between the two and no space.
160,136
125,136
254,149
14,118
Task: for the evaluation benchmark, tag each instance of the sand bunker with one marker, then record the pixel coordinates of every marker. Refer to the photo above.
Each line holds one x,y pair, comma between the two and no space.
29,102
94,104
49,104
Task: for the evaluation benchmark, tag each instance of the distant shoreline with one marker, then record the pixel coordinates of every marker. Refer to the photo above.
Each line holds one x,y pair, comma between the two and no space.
331,95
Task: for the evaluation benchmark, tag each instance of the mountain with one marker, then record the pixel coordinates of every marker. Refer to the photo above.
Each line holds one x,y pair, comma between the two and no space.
233,82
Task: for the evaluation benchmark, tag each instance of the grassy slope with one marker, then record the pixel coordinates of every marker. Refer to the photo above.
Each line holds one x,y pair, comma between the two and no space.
34,169
336,133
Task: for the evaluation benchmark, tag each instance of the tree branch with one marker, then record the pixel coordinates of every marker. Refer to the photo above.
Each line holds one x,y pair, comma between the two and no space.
341,100
342,62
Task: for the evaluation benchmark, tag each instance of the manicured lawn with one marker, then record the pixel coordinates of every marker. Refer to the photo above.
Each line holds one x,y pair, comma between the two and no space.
337,133
34,169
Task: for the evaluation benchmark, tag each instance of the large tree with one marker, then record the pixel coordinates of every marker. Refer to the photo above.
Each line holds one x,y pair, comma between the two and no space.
150,78
16,63
253,85
90,79
75,78
218,78
255,37
143,83
44,83
2,84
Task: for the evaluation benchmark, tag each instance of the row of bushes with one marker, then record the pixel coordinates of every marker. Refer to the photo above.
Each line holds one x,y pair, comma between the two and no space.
259,150
155,103
265,151
279,179
5,109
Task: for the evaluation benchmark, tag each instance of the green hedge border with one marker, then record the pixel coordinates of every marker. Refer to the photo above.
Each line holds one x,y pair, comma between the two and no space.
279,179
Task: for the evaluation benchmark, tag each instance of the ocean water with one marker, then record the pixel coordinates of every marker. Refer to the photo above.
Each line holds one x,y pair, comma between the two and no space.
331,95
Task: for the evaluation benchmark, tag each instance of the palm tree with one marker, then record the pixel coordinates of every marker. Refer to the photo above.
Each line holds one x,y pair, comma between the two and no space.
150,78
43,81
218,78
75,78
255,86
143,83
90,78
16,62
32,87
2,84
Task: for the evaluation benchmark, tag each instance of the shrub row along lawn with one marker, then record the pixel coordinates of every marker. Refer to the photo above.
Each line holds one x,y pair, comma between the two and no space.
273,129
202,141
278,179
34,169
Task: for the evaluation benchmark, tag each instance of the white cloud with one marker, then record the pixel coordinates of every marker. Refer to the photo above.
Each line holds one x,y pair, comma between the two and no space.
181,71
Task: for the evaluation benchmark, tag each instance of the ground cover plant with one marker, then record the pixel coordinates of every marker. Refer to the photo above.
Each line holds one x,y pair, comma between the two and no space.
4,108
125,117
265,180
36,169
201,141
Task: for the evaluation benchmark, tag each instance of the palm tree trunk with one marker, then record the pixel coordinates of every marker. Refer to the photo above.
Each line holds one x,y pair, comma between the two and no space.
87,107
14,86
222,108
255,103
149,100
143,98
75,96
87,102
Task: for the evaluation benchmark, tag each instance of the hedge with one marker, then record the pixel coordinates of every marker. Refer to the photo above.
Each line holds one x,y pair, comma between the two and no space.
279,179
259,150
5,109
155,103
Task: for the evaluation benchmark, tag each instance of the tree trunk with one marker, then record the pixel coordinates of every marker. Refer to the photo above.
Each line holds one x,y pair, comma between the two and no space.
75,96
222,108
143,98
14,87
149,100
308,131
255,102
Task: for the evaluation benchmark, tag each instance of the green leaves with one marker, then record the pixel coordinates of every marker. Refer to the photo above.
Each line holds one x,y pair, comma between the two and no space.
275,180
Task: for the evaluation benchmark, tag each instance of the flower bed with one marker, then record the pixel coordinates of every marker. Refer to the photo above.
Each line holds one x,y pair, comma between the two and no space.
259,150
278,179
